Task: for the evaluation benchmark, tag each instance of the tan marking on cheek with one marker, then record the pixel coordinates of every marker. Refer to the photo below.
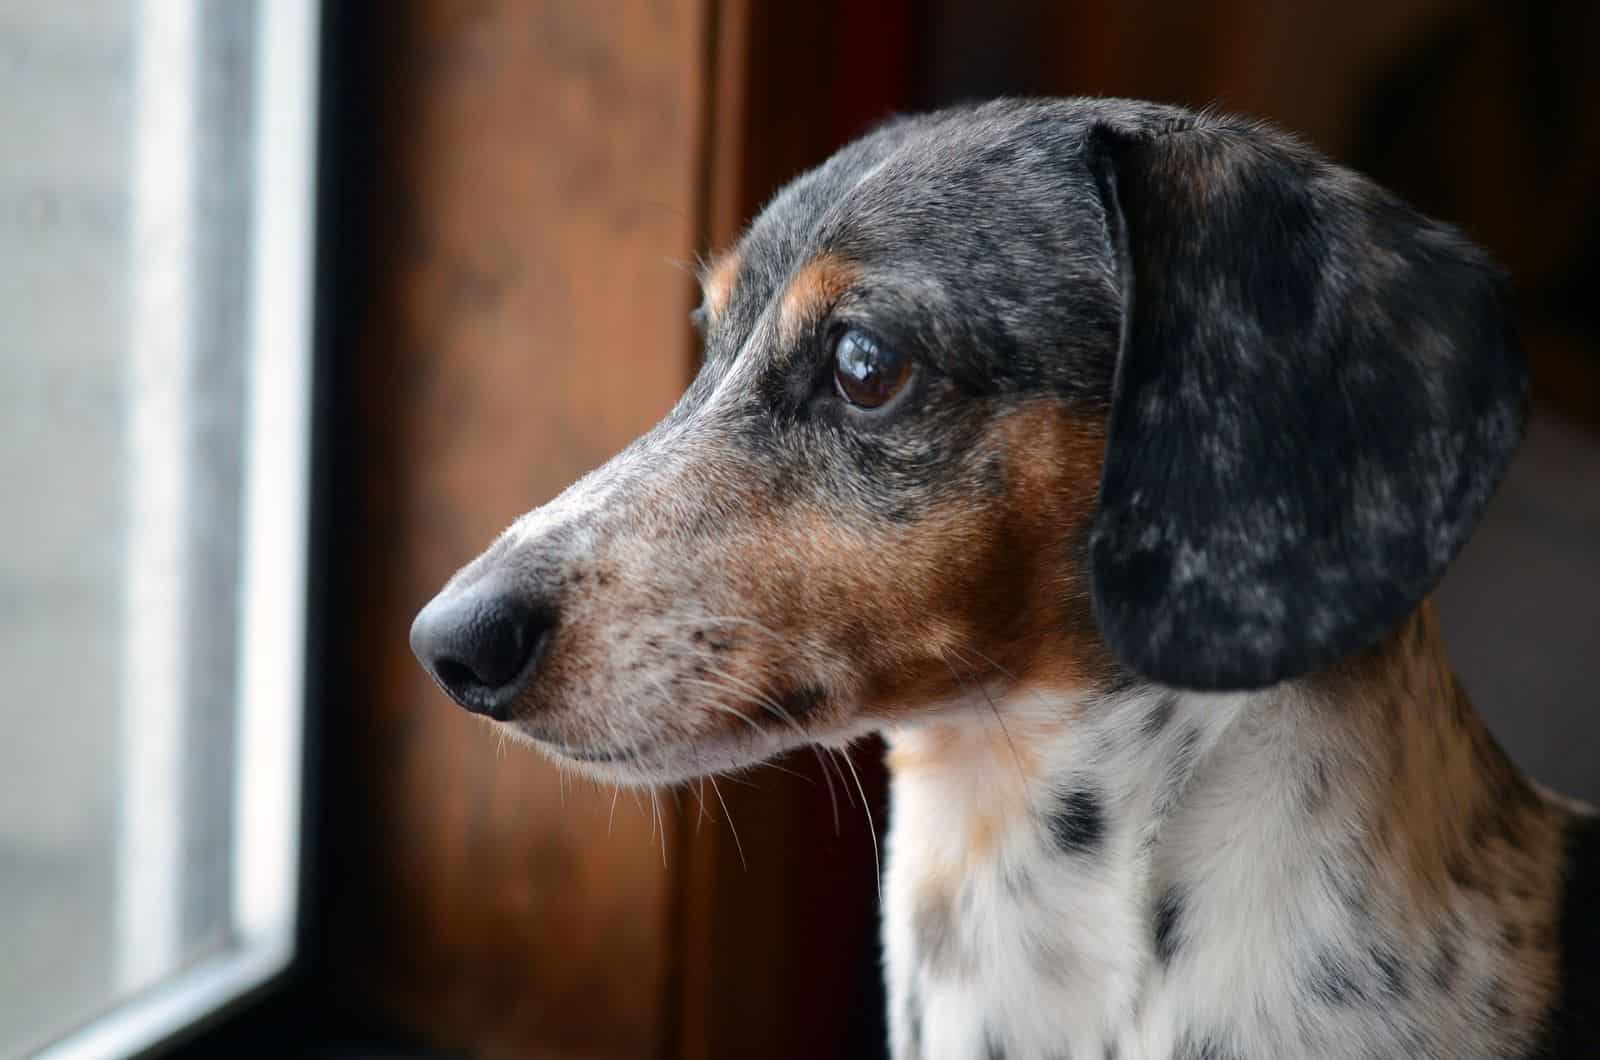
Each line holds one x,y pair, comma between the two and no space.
985,591
981,593
814,289
717,284
1039,620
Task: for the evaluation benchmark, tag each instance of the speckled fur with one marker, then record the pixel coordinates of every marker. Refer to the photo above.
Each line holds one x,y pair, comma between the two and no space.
1345,868
1133,574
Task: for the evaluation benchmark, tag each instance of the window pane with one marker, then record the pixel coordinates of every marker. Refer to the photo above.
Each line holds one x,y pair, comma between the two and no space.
127,191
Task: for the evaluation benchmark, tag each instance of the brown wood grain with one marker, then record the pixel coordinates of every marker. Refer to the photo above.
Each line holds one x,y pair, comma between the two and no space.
536,184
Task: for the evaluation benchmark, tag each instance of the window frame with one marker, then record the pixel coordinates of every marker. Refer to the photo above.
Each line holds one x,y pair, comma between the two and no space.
271,698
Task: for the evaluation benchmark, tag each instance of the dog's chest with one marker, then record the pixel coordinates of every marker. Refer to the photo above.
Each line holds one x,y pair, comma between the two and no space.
1014,922
1004,977
1033,908
1037,926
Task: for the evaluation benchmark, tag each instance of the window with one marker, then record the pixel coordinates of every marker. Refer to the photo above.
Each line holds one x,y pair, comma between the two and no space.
155,214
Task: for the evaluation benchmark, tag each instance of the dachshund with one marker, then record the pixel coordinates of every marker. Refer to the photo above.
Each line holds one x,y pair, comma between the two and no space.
1101,455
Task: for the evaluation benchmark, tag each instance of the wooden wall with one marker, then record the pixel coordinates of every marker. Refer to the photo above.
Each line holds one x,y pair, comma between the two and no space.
534,183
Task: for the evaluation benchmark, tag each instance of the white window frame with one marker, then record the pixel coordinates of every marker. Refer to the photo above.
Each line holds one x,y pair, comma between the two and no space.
270,702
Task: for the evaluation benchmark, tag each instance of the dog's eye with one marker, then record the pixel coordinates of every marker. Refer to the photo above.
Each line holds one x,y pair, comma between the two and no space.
866,372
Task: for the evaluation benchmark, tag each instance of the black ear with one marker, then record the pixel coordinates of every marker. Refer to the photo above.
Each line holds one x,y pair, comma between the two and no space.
1317,391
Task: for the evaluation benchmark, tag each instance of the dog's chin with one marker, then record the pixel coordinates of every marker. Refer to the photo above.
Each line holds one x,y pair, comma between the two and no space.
663,763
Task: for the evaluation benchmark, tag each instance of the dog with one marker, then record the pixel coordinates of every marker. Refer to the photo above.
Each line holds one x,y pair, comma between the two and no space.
1102,455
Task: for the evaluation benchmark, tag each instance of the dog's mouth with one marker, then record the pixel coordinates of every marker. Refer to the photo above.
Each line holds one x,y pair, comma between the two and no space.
594,755
675,759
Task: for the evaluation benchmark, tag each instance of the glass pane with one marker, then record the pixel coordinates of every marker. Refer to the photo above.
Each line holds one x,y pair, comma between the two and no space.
125,199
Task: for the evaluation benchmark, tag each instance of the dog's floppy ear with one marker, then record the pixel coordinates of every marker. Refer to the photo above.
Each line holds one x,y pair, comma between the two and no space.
1316,393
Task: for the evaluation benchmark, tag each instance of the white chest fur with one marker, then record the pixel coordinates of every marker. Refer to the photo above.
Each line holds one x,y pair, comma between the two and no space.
1018,889
1156,877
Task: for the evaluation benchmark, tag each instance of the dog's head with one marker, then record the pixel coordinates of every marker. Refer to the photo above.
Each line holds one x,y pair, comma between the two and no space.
1054,393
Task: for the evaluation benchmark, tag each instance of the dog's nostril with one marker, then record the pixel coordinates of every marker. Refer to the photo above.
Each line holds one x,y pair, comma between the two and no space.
482,648
497,645
455,674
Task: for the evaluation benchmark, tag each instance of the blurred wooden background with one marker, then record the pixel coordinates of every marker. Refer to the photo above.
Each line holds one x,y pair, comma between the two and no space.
512,187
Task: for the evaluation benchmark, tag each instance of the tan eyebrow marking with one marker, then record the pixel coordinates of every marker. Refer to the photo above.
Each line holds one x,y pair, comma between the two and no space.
717,283
812,291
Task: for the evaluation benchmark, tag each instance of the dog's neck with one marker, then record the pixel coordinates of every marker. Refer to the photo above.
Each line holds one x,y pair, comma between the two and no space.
1333,865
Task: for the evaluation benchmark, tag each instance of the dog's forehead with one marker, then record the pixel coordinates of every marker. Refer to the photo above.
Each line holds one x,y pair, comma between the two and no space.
926,186
977,237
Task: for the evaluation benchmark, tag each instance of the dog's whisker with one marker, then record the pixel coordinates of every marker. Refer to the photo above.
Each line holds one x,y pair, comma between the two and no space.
1015,681
775,709
700,793
726,709
833,800
659,824
834,754
721,708
872,828
1016,756
757,694
737,845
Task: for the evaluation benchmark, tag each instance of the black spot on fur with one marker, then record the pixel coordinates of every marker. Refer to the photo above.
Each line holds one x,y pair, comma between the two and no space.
1391,972
1446,956
1078,824
1169,910
1347,882
796,703
1317,786
1016,878
1330,979
992,1049
1205,1049
1161,715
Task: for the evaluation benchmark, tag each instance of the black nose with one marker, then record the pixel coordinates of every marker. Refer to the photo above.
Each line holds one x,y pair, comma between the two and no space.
482,645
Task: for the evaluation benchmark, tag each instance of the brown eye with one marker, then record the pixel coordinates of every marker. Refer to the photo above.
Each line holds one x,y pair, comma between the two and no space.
866,372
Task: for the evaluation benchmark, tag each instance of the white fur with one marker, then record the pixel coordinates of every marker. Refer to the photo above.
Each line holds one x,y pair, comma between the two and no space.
1215,803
